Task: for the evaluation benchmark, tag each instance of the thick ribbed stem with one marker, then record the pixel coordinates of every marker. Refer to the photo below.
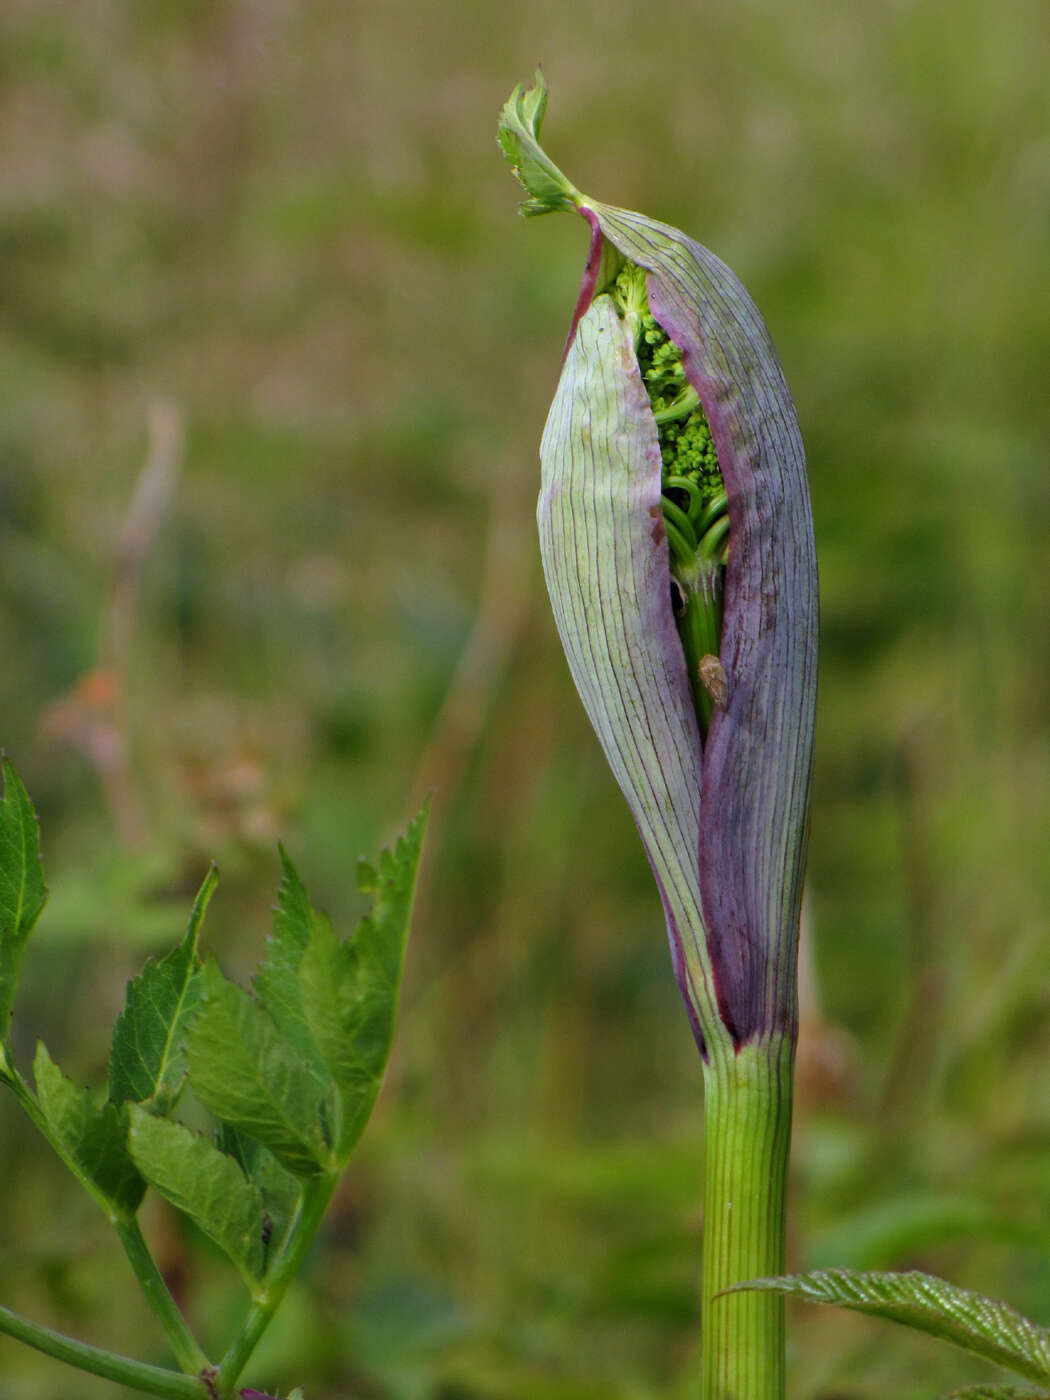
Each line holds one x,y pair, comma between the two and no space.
748,1134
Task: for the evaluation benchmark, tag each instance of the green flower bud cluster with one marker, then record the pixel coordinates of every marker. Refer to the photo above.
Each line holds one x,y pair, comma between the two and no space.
692,492
686,446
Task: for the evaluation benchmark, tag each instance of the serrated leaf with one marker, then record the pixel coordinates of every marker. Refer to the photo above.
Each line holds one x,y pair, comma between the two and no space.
983,1326
276,982
204,1184
147,1060
23,893
91,1136
248,1075
281,1192
350,989
518,134
995,1392
367,877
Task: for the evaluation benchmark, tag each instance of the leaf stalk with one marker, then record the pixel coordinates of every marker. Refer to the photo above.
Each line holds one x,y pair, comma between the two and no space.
184,1345
122,1370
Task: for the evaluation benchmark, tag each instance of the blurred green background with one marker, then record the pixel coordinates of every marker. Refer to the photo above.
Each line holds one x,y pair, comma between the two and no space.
275,354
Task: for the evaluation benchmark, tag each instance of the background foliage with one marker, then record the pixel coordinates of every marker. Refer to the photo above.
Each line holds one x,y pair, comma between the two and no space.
260,264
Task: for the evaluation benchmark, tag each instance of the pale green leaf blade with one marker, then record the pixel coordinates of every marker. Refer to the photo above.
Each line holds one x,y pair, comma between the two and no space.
382,936
996,1392
330,985
350,990
983,1326
246,1073
22,889
519,136
147,1061
281,1192
92,1138
276,982
204,1184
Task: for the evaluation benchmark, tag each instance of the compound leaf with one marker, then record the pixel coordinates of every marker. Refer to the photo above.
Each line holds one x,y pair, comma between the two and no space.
23,893
276,983
91,1136
204,1184
983,1326
350,989
996,1392
279,1190
248,1075
147,1061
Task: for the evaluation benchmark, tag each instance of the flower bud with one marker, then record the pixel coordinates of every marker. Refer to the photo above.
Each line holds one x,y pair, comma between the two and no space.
688,617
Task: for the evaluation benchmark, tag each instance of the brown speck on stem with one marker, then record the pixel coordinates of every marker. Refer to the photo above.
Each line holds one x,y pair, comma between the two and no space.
714,680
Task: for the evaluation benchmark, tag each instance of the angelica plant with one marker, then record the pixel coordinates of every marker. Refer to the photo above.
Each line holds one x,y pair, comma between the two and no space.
677,546
678,550
290,1073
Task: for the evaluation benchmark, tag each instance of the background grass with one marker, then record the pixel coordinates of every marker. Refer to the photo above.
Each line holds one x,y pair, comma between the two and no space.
288,226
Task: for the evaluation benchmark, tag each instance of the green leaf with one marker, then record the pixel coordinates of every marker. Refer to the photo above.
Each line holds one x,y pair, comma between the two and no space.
276,983
22,889
983,1326
996,1392
350,989
519,136
204,1184
367,877
281,1192
91,1136
247,1074
147,1061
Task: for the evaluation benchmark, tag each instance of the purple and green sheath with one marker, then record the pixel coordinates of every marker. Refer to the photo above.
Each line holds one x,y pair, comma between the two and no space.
719,791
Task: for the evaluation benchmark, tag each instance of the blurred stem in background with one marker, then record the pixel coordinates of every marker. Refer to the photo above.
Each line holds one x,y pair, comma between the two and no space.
93,717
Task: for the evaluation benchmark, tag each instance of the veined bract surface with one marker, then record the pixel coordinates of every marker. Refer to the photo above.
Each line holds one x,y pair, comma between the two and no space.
722,813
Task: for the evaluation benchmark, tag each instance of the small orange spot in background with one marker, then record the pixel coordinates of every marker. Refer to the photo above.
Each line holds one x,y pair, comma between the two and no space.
74,718
98,689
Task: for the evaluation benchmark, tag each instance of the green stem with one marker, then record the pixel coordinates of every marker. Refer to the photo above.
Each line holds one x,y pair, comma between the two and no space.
699,624
748,1134
183,1343
316,1195
676,516
139,1375
684,404
688,488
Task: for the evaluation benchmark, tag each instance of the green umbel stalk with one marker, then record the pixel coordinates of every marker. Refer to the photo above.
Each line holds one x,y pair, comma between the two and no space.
748,1134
